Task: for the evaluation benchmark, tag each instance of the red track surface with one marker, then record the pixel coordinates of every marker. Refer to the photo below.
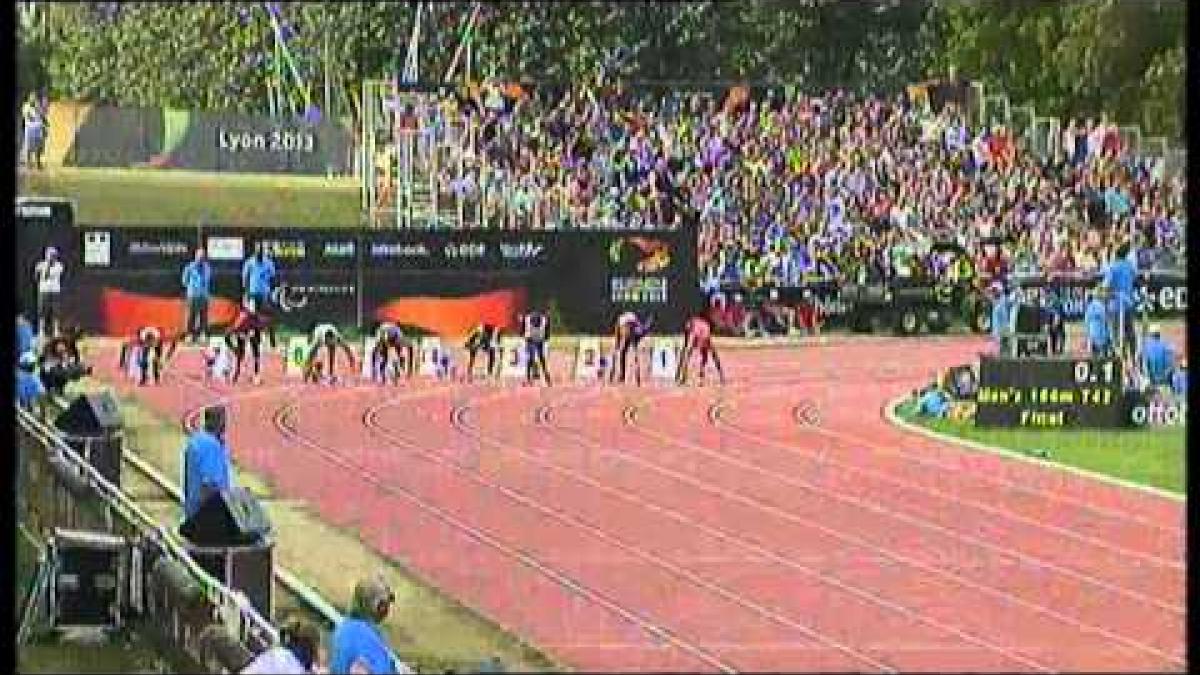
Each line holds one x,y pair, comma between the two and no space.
729,528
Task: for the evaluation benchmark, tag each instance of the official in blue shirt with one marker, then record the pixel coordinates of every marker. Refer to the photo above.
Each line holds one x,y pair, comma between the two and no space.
1158,361
1120,276
197,285
205,462
24,335
357,645
1095,321
30,389
258,278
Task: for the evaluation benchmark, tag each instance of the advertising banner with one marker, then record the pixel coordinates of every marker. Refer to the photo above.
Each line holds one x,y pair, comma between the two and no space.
439,283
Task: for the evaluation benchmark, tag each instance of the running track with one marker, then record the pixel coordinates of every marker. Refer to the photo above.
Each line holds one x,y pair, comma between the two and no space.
778,523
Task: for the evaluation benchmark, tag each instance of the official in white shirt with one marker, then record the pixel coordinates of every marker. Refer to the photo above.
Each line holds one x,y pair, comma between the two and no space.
48,276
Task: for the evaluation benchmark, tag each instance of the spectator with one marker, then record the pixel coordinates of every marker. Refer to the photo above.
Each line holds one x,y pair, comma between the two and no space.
206,462
33,120
297,652
48,274
61,363
258,278
358,646
1095,321
197,284
25,337
1157,363
1004,309
30,391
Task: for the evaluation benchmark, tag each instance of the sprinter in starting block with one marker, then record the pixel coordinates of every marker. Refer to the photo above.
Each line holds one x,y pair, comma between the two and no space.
326,336
390,338
150,349
627,336
246,332
485,338
535,328
697,337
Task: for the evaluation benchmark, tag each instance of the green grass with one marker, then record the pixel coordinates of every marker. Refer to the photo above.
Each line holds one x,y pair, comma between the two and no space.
149,197
1150,456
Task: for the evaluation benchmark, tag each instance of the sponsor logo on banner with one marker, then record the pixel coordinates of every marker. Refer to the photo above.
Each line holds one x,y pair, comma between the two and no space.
1160,413
431,356
664,359
644,290
587,359
297,354
274,140
97,249
513,358
398,250
338,249
289,298
285,249
525,250
226,248
164,249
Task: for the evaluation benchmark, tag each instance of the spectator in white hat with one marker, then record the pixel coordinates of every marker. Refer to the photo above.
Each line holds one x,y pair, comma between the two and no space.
48,276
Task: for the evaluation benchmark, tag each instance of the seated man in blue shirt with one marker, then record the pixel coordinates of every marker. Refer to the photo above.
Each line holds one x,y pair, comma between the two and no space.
1158,361
205,462
357,644
933,403
1095,323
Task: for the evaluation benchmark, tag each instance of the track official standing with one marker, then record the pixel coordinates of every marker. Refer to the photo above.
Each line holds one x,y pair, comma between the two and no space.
258,278
1120,277
1003,307
197,284
1158,361
48,276
24,335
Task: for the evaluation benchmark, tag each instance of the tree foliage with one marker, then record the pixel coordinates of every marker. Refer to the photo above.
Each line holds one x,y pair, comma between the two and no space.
1074,58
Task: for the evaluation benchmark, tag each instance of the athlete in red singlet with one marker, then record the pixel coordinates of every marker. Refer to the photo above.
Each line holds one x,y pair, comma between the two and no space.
697,336
151,347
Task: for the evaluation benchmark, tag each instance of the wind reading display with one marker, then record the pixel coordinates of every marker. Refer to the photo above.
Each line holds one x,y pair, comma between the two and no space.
1050,393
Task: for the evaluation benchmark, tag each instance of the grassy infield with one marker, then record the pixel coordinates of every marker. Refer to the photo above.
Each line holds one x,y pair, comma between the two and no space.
147,198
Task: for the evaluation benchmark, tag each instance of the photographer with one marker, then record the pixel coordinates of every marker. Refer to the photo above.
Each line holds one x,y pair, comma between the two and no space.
61,364
300,644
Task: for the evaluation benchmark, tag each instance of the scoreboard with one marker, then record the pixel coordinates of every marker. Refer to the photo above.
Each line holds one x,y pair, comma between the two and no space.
1050,393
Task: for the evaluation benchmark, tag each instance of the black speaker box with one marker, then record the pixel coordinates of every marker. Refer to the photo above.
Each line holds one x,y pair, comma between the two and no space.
88,580
227,518
249,569
90,415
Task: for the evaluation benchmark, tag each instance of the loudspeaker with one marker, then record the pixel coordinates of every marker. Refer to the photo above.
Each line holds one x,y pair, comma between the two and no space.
1029,319
249,569
88,579
90,414
227,518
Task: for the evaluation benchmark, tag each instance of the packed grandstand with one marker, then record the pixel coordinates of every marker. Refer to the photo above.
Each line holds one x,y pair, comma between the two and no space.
793,188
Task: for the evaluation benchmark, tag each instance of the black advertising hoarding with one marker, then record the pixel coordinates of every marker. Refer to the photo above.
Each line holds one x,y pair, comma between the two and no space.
1050,393
1160,294
437,282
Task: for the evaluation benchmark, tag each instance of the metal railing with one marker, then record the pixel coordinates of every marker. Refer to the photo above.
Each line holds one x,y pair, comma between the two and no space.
222,615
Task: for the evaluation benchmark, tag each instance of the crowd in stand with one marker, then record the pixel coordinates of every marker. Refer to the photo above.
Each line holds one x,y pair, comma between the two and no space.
796,188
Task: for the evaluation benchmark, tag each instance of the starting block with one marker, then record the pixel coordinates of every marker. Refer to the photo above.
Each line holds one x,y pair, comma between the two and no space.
587,360
370,370
297,354
513,358
431,356
664,359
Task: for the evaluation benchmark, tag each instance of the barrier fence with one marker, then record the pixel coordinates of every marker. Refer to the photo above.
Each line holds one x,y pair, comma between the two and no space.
175,601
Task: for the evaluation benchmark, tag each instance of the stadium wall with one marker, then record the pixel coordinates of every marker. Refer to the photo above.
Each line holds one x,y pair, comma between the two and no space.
87,135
